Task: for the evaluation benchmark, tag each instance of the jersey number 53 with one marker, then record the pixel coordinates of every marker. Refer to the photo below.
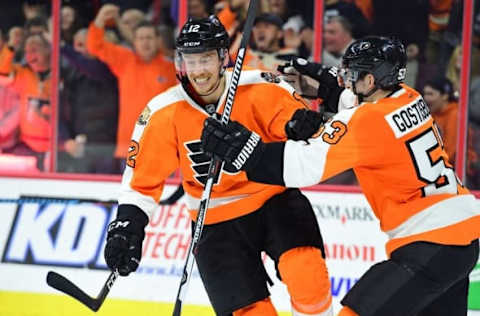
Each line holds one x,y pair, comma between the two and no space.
439,177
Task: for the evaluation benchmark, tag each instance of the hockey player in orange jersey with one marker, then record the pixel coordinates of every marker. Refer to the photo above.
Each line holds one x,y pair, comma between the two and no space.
244,218
393,145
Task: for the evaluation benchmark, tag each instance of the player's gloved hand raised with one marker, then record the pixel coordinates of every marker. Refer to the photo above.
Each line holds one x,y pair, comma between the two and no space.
328,89
303,124
123,250
304,67
232,143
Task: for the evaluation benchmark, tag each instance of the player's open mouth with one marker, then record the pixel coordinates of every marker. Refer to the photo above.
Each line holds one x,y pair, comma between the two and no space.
201,81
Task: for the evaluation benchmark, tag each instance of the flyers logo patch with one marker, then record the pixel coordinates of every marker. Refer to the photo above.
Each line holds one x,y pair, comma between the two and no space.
200,162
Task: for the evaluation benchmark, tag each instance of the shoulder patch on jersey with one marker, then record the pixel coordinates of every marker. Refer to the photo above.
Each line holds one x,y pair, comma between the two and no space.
270,77
144,116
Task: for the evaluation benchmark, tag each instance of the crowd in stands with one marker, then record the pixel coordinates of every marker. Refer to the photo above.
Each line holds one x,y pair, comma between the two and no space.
116,55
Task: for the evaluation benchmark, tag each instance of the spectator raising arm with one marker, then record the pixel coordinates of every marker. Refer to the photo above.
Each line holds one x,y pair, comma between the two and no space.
142,73
113,55
6,64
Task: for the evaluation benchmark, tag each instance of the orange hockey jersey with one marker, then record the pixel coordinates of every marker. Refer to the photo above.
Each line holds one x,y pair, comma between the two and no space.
167,136
397,155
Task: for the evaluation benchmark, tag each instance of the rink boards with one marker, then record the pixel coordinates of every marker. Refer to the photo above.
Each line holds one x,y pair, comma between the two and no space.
68,237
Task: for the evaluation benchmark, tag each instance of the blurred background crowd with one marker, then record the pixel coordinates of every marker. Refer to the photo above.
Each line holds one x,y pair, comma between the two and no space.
116,55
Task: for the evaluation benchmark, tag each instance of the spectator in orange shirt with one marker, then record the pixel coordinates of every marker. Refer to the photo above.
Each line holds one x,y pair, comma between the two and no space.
439,95
141,73
9,112
32,82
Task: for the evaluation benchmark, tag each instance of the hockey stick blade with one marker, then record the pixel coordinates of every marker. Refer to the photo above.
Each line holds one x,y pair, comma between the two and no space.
61,283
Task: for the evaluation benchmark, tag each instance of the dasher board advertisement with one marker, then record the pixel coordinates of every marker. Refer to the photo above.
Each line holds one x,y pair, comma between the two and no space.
60,225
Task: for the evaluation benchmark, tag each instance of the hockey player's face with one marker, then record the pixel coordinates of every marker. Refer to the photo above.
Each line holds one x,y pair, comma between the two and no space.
360,82
203,71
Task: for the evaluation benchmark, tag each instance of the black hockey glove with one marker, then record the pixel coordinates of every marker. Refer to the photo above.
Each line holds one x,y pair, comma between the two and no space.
232,143
303,124
123,250
328,90
304,67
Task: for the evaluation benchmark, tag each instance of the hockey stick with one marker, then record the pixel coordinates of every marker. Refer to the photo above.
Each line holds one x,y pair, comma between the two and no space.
215,164
66,286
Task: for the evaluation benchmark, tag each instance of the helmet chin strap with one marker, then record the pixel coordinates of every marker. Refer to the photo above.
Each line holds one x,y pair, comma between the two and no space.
362,96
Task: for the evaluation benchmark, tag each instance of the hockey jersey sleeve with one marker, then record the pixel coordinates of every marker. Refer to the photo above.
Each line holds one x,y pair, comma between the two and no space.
344,142
152,157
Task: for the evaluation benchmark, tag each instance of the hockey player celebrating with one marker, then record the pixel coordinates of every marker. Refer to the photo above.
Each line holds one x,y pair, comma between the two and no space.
394,148
244,218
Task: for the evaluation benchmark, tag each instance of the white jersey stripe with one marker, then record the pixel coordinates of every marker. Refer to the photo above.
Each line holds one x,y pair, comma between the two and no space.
444,213
193,203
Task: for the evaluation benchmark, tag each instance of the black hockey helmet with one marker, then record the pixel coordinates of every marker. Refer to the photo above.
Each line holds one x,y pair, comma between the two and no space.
198,36
385,58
